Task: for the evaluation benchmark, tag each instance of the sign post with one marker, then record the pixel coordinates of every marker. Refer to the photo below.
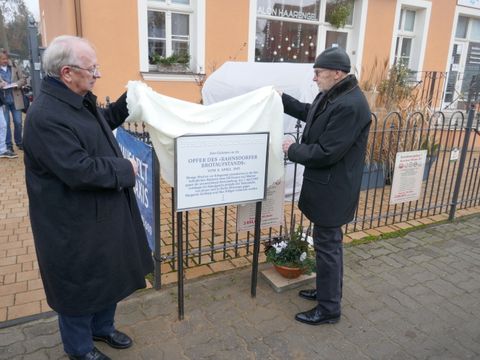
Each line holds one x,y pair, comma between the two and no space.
216,170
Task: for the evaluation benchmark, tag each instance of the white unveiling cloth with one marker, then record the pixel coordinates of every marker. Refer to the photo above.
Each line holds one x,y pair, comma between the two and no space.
167,118
235,78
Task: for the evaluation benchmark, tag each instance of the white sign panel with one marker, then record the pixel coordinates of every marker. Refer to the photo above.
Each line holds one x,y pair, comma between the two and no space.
470,3
272,209
407,176
219,169
454,154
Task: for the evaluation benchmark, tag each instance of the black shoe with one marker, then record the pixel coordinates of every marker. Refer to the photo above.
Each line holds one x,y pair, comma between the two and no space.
20,147
117,340
316,317
309,294
95,354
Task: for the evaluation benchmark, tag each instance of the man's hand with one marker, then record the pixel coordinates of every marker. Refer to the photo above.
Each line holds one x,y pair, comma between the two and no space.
134,165
286,144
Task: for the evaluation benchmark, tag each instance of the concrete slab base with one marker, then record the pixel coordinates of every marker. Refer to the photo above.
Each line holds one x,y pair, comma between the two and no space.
279,283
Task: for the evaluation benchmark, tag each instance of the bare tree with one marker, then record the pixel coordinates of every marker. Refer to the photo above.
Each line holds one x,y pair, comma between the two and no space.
14,16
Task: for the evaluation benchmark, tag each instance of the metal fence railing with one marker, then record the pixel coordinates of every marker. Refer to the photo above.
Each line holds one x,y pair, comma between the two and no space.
450,182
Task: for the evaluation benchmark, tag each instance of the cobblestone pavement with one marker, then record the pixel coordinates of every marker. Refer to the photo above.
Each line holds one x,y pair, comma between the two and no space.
416,297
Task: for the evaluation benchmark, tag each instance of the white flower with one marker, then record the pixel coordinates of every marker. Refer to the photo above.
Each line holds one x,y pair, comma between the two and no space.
280,246
308,239
303,256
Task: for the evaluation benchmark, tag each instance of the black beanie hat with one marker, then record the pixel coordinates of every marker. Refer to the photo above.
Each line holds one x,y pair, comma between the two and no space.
334,58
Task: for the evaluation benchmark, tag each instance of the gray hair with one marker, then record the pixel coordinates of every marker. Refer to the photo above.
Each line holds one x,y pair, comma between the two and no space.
60,53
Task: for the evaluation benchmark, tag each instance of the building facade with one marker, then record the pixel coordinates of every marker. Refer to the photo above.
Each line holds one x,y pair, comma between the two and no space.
422,35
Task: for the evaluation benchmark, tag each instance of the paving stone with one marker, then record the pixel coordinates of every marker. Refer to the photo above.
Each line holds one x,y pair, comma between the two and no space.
11,336
416,298
13,351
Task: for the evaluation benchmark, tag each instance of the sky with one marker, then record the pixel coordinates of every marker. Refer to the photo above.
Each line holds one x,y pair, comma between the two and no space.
32,5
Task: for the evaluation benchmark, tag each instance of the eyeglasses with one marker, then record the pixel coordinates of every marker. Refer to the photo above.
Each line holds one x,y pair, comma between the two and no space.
94,70
319,71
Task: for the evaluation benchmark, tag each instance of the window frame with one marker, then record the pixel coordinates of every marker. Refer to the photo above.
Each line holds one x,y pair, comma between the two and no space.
322,26
196,11
419,34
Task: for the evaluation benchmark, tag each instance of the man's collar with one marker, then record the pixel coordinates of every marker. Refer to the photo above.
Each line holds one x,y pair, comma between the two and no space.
58,89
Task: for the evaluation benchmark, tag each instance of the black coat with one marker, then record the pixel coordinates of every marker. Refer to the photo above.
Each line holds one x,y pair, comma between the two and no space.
332,150
89,238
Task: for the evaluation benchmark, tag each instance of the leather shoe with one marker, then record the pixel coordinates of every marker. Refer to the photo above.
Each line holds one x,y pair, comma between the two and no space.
95,354
116,339
309,294
316,317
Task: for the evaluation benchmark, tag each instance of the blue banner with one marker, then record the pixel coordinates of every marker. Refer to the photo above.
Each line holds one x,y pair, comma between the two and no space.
143,154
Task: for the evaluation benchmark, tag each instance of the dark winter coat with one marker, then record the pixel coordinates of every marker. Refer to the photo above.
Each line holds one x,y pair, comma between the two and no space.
89,238
332,150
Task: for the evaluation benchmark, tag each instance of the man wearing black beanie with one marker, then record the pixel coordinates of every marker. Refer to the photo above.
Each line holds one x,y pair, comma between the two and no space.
332,149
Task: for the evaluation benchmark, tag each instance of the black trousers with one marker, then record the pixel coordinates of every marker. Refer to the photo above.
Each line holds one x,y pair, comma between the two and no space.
327,242
77,331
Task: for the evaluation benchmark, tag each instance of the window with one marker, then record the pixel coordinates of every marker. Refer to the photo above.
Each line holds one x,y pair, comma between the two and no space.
405,37
297,30
335,8
462,27
410,33
172,29
169,28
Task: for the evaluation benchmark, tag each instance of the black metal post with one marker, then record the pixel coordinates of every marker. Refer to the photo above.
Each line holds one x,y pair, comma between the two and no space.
461,165
181,307
256,247
35,67
156,221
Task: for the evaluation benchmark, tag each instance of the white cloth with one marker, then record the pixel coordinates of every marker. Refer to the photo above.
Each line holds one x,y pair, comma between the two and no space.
167,118
236,78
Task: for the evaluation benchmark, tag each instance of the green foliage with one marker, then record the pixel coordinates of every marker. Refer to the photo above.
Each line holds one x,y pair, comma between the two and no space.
397,87
291,251
182,58
338,12
431,147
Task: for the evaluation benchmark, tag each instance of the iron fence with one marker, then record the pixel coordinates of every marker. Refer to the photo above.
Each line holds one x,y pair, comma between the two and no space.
450,182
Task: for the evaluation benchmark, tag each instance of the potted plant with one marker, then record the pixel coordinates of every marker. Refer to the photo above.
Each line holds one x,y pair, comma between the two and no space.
338,11
175,63
292,254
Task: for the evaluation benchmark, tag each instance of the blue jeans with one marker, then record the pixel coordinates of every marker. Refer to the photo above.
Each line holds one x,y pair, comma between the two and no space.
77,331
17,125
3,132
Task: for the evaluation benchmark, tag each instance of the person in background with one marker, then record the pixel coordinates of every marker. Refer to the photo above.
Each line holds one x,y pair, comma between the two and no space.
13,98
332,149
4,152
89,238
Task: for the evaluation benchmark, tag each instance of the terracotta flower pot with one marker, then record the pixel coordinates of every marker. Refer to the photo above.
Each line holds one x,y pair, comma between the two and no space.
288,272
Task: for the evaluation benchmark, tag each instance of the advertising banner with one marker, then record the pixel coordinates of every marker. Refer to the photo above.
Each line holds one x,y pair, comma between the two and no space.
408,176
142,153
272,209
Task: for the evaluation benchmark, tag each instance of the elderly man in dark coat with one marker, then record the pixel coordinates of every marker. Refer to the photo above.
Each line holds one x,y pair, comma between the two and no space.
332,149
91,245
